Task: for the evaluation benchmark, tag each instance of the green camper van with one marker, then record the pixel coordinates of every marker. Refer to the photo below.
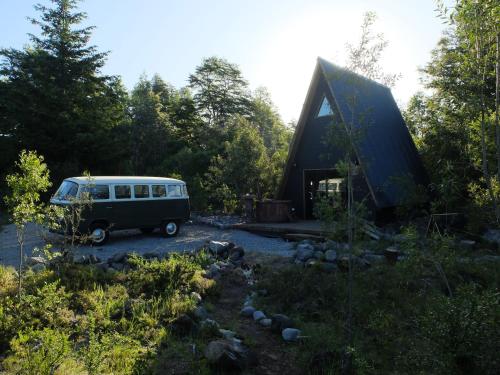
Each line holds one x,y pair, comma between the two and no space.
119,202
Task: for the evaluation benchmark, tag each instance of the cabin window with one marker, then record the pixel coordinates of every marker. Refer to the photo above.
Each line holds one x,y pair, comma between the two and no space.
122,192
159,191
97,192
141,191
174,191
325,109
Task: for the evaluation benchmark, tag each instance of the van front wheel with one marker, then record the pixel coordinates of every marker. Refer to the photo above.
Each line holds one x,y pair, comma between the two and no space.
99,234
169,228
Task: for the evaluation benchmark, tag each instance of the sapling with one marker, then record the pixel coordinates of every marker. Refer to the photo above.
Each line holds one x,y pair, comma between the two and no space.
24,204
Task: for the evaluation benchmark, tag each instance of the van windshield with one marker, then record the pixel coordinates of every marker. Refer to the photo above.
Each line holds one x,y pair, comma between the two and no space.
66,191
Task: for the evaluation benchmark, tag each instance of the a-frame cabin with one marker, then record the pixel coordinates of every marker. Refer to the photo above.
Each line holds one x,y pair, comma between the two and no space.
386,157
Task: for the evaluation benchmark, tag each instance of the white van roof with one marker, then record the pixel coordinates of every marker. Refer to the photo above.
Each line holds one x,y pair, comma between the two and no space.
124,180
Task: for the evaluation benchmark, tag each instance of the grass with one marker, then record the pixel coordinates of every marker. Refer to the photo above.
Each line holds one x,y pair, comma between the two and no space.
79,319
404,320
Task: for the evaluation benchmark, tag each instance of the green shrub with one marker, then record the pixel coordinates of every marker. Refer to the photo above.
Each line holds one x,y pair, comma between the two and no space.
38,352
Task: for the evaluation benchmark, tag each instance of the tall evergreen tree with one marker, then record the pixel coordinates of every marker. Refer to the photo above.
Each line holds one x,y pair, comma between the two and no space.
55,100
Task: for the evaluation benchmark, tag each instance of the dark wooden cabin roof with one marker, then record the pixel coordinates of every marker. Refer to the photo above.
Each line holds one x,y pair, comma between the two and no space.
385,149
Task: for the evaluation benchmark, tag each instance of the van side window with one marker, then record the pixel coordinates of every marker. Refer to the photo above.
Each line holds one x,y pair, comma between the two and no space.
96,192
174,191
141,191
159,191
184,190
122,191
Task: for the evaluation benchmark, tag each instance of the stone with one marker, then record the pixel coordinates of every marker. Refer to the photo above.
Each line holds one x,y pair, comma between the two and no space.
290,334
266,322
375,258
279,322
196,297
328,267
492,235
102,266
304,252
31,261
236,253
200,313
227,334
151,255
38,267
467,244
258,315
228,355
81,259
311,262
218,248
93,259
319,255
330,256
247,311
117,266
118,258
184,325
209,324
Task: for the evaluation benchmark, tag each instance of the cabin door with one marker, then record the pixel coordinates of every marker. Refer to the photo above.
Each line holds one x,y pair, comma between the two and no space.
318,184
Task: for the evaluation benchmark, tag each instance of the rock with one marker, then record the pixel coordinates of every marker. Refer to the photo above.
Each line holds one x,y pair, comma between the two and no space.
236,253
330,256
196,297
117,266
38,267
102,266
184,325
375,258
31,261
319,255
290,334
247,311
311,262
93,259
228,355
258,315
151,255
306,242
330,245
200,313
328,267
265,322
227,334
118,258
304,252
487,259
279,322
81,259
209,325
218,248
492,235
467,244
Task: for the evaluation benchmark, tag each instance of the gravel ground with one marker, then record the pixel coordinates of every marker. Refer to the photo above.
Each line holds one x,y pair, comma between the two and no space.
190,237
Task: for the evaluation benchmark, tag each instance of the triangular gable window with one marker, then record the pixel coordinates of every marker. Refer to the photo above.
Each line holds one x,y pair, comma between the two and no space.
325,109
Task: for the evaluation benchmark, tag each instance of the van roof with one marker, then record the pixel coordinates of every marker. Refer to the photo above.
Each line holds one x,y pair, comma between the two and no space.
123,179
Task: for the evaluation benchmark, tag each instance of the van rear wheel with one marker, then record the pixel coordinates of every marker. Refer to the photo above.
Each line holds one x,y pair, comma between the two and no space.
99,234
169,228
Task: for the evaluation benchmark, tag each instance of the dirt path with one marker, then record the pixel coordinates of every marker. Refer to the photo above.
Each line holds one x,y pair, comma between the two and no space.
274,356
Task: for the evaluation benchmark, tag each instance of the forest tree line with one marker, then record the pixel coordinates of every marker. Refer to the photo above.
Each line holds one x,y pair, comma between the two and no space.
217,135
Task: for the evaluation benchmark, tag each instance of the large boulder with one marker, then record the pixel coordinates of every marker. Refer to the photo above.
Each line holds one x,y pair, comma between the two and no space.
304,252
330,256
229,355
219,248
279,322
31,261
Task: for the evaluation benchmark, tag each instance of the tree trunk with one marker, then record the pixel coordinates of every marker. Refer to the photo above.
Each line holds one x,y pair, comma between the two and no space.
497,104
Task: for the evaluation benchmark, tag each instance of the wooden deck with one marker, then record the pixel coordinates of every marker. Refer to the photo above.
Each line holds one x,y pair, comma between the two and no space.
296,230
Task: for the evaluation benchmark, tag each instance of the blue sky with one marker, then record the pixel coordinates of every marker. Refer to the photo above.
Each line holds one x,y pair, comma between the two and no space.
275,42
